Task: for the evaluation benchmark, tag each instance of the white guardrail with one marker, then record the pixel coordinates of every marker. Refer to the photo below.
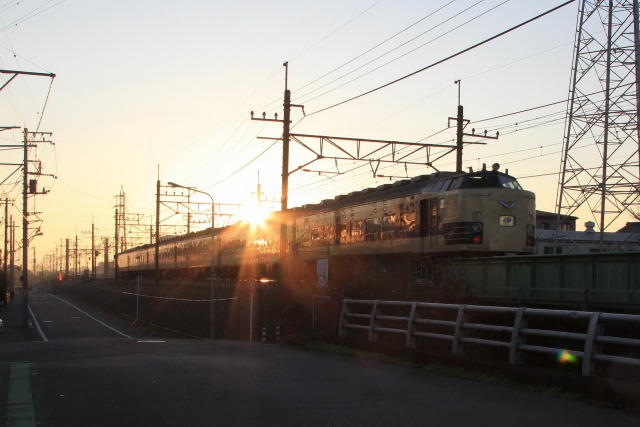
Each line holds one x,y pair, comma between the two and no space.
415,319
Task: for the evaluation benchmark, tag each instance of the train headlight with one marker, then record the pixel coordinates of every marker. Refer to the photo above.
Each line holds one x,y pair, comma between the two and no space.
476,227
477,240
531,235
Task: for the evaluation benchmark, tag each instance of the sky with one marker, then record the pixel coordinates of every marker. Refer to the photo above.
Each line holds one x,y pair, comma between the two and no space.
150,90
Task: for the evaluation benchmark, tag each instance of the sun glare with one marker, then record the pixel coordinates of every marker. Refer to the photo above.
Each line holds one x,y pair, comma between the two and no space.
255,215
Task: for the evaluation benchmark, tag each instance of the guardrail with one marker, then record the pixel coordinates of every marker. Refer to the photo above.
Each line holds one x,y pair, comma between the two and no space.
581,334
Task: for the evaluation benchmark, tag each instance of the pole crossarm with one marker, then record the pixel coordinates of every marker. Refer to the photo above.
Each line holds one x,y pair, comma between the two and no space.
351,154
26,73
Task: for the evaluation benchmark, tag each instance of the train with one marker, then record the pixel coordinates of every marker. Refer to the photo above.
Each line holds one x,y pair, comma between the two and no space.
390,233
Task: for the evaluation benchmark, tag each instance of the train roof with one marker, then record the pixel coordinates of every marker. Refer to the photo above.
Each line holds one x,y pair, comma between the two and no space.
433,183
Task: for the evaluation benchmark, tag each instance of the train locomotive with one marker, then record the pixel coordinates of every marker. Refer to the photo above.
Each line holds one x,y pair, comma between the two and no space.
383,237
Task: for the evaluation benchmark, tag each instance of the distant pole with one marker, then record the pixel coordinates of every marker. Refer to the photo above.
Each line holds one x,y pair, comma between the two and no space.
116,266
12,243
188,212
157,246
212,278
25,234
75,269
106,257
93,250
6,236
212,319
66,259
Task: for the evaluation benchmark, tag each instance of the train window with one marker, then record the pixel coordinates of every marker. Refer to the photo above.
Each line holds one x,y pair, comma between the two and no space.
407,218
389,221
455,184
328,232
480,181
509,182
489,180
357,230
316,233
428,188
371,229
343,230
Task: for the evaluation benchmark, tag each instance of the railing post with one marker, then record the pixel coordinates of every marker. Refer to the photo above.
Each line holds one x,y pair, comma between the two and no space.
461,318
517,339
372,322
411,341
590,345
342,331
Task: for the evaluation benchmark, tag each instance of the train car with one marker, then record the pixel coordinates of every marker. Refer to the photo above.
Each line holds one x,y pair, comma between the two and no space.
446,213
241,250
363,235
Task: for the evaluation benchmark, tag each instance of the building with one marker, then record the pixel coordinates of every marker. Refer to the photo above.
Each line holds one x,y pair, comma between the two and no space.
588,241
548,220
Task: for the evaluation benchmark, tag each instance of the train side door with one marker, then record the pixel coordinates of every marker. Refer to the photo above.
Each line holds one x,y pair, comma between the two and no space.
429,223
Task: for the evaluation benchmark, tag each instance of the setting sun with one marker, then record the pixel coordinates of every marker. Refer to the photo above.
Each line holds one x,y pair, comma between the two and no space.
255,215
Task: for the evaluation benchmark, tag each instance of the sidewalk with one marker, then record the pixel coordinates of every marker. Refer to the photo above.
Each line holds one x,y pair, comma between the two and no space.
11,316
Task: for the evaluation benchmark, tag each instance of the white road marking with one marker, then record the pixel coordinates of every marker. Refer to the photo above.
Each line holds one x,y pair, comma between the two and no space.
87,314
35,321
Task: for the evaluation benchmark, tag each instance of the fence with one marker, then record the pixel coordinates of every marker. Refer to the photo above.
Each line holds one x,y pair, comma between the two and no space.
508,328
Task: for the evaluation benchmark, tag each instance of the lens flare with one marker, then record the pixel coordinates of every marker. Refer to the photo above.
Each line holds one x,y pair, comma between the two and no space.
254,215
565,356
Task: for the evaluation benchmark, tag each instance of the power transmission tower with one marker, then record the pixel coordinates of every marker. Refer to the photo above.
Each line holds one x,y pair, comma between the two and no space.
600,167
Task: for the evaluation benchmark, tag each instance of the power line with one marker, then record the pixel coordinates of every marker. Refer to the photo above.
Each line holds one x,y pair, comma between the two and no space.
375,47
404,54
337,29
445,59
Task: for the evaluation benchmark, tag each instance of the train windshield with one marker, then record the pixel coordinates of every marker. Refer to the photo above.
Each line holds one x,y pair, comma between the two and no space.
489,180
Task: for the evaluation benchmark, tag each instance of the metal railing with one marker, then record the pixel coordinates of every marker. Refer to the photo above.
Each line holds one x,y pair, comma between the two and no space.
502,327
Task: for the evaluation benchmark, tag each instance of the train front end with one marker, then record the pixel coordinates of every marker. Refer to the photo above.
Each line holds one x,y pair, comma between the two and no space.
489,213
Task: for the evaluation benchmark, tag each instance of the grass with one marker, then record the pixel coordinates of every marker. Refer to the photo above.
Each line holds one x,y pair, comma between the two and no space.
466,373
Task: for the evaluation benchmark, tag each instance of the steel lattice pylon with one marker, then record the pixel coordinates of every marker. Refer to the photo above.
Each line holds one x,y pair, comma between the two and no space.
600,161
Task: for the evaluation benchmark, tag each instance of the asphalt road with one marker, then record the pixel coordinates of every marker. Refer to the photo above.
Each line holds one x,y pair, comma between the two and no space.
89,374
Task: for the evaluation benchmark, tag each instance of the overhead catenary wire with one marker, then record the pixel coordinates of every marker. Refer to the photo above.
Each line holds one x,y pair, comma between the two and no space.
406,53
254,159
444,59
337,29
32,14
375,47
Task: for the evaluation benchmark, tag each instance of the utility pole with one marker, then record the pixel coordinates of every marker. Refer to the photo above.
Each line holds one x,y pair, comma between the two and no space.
76,257
116,251
66,259
286,138
157,246
93,250
6,236
28,187
25,236
106,257
34,261
461,123
12,244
